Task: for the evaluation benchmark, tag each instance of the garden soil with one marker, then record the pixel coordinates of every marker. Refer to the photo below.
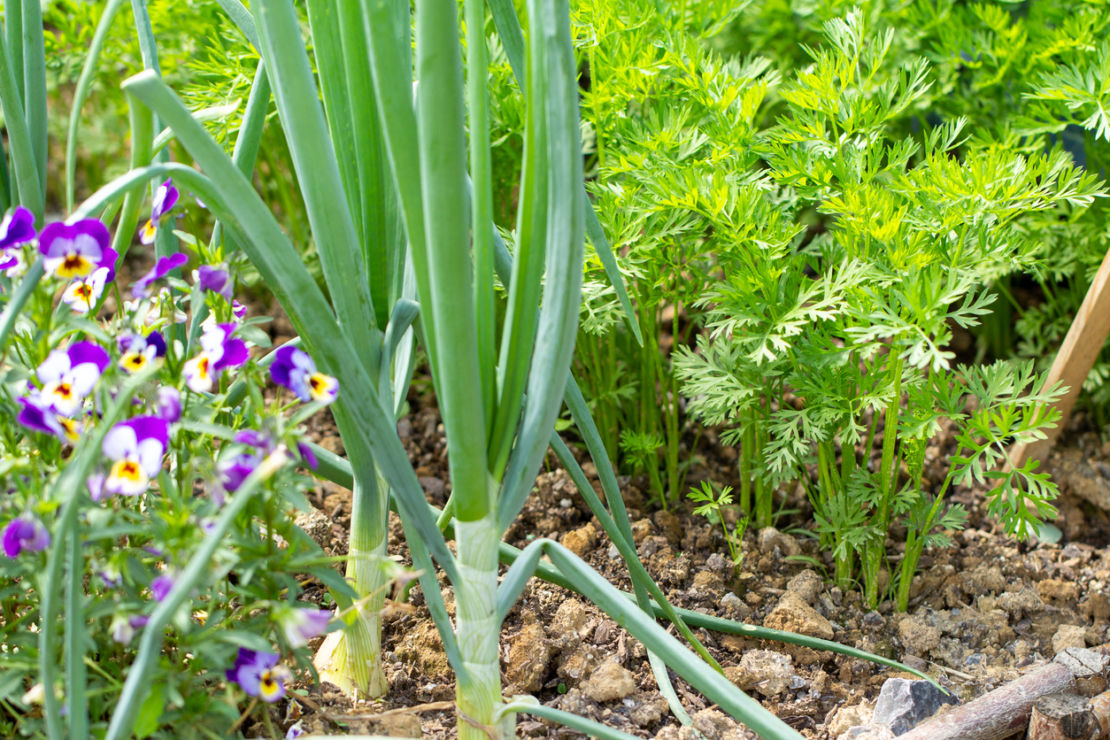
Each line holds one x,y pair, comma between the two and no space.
983,611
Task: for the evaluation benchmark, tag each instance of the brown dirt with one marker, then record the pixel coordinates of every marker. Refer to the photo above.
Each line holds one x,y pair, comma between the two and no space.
981,613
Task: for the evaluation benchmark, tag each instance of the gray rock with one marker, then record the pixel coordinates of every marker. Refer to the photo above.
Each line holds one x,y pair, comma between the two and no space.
766,671
1083,663
903,703
718,564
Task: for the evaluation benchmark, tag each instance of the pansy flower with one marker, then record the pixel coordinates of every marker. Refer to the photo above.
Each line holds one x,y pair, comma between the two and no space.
294,369
83,294
77,250
136,447
214,279
162,268
234,470
123,627
169,403
25,533
39,415
165,198
308,457
219,351
13,264
17,228
301,625
259,674
69,375
161,586
136,351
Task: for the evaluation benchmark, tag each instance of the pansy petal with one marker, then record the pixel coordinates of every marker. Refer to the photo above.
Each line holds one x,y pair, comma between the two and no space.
120,442
54,367
82,352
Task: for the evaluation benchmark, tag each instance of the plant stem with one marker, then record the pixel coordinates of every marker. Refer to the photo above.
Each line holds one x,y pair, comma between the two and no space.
888,478
477,628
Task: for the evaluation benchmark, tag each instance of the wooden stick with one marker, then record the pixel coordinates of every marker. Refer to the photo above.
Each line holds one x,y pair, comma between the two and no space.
1077,356
1000,713
1063,716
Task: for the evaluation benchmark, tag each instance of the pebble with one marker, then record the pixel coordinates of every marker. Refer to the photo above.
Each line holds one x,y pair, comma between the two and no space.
768,672
610,681
1069,636
904,703
1083,663
614,553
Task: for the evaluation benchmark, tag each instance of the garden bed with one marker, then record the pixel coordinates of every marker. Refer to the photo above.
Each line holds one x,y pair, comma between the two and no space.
982,613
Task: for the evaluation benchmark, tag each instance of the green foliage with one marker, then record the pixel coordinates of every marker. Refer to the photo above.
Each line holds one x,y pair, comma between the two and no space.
716,507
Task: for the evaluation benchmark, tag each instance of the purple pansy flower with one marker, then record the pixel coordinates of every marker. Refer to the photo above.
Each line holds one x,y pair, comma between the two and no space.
301,625
161,586
238,310
214,279
69,375
82,294
169,404
12,263
219,351
259,674
254,438
17,228
136,446
123,627
25,533
77,250
39,415
95,484
165,198
295,370
235,469
307,455
163,267
295,731
138,351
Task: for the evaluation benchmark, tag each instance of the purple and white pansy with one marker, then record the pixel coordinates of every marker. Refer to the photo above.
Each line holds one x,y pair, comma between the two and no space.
213,279
295,370
168,404
25,534
259,674
69,376
161,586
17,228
136,447
137,351
82,294
301,625
219,351
165,198
77,250
39,415
162,268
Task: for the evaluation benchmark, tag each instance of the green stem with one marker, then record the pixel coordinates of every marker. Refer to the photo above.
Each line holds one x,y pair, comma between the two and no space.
888,477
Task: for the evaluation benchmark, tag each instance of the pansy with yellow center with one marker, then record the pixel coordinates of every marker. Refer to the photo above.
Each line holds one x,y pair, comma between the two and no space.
37,414
77,250
295,370
219,351
259,674
136,447
82,295
165,198
137,352
69,375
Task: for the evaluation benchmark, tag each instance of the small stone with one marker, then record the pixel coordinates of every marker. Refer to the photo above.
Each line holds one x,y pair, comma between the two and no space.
848,717
1058,591
565,503
766,671
794,615
569,617
872,620
903,703
641,530
770,538
1069,636
613,553
581,540
1021,602
528,656
1081,662
808,585
610,681
874,731
718,564
918,636
1096,607
433,487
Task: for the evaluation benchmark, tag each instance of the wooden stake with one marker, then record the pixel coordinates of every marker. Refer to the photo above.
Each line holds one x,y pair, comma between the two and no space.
1063,716
1000,713
1077,356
